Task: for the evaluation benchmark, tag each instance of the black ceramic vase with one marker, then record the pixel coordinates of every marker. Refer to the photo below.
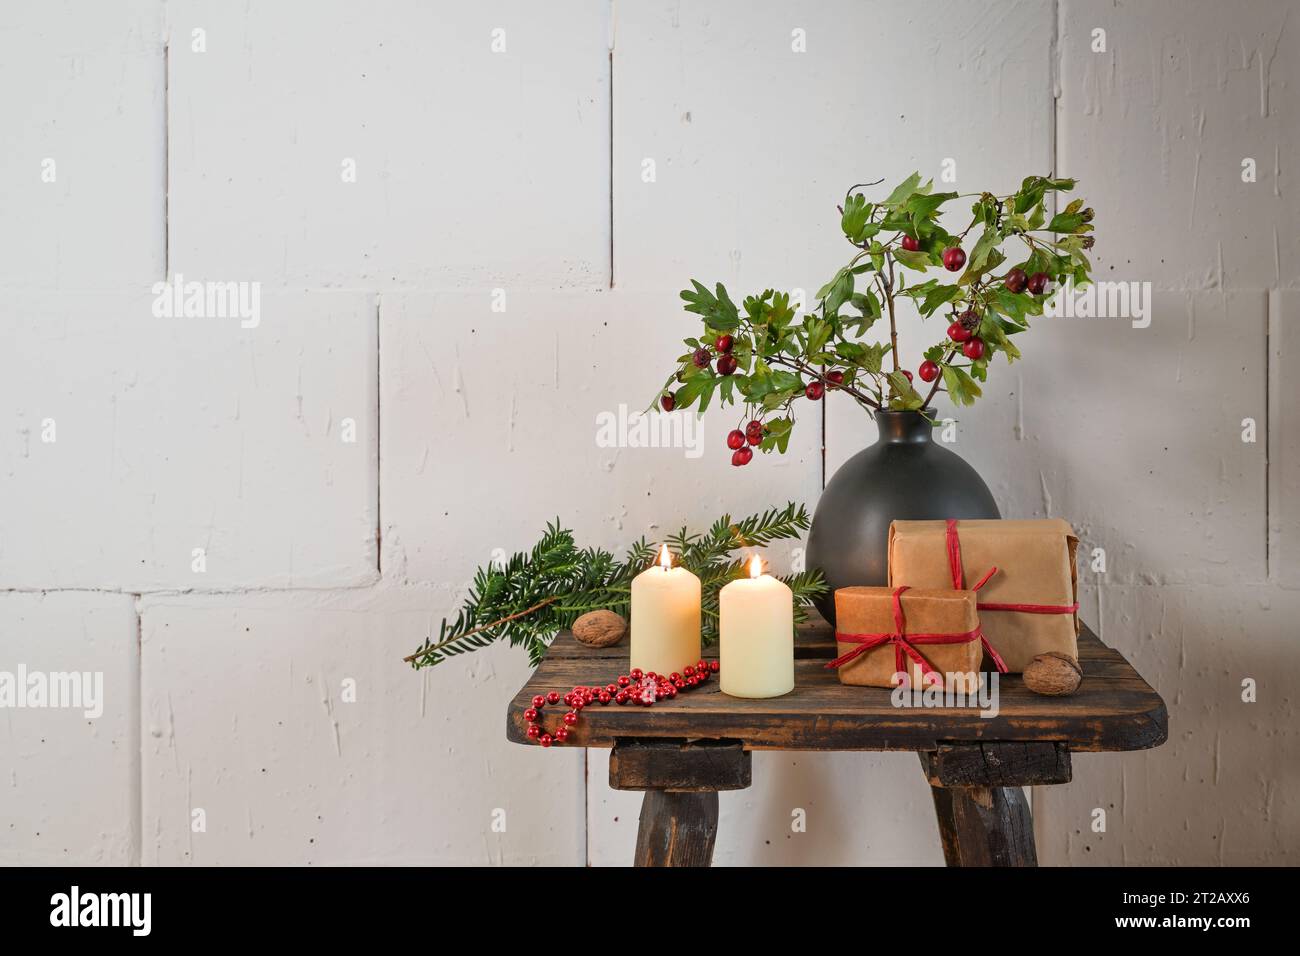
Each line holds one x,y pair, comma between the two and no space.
905,475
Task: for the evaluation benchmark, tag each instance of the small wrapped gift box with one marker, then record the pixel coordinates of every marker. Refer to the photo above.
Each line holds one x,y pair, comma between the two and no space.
927,634
1024,574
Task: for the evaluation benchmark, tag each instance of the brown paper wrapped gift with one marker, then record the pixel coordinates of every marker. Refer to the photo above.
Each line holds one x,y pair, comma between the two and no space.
939,627
1030,604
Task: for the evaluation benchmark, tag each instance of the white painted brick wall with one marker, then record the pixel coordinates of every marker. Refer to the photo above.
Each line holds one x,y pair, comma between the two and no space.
476,171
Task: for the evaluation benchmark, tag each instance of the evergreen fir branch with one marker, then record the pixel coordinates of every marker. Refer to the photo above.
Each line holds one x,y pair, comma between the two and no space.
536,594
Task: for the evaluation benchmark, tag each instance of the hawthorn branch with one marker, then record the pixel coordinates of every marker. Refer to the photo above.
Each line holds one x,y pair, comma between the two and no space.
798,366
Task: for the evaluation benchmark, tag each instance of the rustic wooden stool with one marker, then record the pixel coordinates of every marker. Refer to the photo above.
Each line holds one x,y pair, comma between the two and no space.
681,753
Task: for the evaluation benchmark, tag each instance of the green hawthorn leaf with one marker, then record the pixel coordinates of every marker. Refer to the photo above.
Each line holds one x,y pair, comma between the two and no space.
934,353
776,434
693,388
856,214
993,335
840,292
903,190
939,295
920,261
825,290
977,263
904,395
1017,305
1065,222
961,387
921,206
1030,194
817,332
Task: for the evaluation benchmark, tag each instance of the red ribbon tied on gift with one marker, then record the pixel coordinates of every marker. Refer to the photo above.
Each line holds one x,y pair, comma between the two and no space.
954,564
903,643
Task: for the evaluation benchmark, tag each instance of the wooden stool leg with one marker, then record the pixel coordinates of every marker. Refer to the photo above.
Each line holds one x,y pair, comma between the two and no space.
681,780
677,829
983,816
985,826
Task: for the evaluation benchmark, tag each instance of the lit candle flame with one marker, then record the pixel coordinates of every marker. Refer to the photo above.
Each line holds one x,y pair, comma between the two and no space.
665,559
755,566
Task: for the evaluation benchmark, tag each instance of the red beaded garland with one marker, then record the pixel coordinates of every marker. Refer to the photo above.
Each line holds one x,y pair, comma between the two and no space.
634,687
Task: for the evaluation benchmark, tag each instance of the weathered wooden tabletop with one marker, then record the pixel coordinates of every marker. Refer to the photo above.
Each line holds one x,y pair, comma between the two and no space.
1113,709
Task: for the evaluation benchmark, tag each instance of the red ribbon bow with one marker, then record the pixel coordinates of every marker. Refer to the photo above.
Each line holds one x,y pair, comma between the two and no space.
903,643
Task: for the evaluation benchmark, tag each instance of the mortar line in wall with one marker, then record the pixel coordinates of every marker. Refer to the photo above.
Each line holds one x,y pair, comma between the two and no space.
379,448
1268,434
167,159
611,154
137,730
1056,90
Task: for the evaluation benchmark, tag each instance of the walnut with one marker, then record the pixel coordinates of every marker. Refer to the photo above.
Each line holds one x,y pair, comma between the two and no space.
1053,674
599,628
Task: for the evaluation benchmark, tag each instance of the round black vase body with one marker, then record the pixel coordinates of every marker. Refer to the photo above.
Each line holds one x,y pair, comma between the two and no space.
904,475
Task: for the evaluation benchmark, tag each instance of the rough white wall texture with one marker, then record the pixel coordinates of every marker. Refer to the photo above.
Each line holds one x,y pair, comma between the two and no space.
243,525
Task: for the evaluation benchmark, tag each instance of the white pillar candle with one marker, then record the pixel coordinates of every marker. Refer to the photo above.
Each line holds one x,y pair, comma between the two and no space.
756,623
665,617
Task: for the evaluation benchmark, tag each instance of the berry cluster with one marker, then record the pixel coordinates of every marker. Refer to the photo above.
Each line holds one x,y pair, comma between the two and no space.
635,687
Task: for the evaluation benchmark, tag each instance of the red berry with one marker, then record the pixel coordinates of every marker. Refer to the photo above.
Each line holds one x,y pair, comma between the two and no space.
1038,282
726,364
954,257
741,456
928,371
534,731
723,343
958,333
636,673
754,426
539,701
1015,280
545,740
973,349
910,244
907,374
815,390
835,377
754,438
530,714
735,438
701,358
668,402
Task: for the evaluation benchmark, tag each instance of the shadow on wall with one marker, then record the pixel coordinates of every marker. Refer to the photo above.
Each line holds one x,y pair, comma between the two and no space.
1222,790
